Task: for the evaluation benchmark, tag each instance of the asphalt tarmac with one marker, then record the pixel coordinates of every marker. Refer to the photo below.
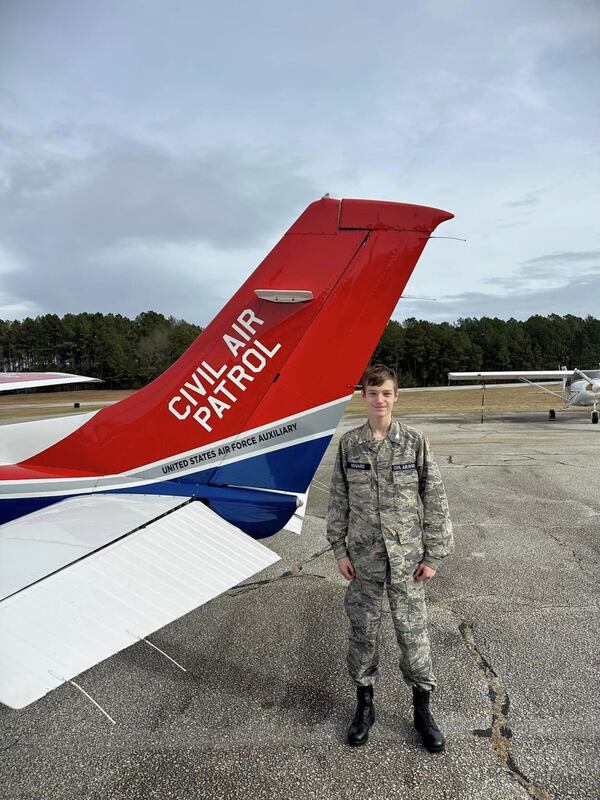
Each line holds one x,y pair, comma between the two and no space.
263,708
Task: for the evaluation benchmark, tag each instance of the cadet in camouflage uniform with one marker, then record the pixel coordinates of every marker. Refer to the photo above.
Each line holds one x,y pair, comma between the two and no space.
389,527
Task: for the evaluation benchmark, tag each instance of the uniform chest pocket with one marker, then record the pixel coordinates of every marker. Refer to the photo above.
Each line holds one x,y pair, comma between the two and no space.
357,479
405,482
359,486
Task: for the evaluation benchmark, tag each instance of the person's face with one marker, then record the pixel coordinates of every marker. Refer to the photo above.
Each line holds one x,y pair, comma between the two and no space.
380,400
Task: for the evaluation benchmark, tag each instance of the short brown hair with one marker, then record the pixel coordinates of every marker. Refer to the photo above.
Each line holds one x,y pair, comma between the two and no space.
376,374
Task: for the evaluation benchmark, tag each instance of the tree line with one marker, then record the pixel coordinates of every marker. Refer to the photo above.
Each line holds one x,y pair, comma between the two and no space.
128,353
125,353
424,352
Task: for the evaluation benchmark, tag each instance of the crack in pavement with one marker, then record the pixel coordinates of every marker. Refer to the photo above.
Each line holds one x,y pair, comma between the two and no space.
528,464
250,587
580,560
499,731
11,745
318,554
518,460
528,604
295,572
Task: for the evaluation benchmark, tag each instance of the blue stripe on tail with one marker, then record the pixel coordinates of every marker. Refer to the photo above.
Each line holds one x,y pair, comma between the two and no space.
290,469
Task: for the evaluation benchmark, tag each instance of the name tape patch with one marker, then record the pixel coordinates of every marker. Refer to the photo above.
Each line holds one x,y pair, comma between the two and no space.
404,467
358,465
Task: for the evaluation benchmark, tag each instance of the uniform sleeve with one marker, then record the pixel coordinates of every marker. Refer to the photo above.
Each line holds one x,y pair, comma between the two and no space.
337,510
437,526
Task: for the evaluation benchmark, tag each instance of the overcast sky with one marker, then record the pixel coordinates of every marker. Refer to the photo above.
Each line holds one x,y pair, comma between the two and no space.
151,153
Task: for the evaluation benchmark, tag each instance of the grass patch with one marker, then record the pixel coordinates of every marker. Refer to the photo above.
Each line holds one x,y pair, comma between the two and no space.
418,401
24,405
468,401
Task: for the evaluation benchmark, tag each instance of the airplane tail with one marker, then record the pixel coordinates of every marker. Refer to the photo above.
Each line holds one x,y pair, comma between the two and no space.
256,398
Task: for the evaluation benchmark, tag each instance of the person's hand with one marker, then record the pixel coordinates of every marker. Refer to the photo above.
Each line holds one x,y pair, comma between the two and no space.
346,569
423,573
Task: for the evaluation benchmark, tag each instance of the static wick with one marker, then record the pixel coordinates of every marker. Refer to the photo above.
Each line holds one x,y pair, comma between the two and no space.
83,691
456,238
162,652
89,697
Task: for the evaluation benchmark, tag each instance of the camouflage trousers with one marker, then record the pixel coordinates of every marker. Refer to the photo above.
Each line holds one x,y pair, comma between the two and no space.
363,604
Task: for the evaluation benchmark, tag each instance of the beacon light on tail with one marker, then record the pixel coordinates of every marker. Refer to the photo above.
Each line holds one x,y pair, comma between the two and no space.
237,427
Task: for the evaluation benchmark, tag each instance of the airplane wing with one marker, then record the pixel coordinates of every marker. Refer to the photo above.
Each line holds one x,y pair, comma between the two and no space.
532,375
121,566
9,381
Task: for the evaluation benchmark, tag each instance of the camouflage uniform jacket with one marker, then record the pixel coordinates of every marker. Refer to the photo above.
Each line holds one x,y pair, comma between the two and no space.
387,503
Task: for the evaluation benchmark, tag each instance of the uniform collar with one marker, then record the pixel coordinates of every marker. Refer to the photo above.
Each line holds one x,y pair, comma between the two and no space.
366,435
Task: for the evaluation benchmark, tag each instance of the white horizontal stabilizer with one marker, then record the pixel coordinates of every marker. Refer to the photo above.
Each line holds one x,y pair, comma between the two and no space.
9,381
21,440
91,609
36,545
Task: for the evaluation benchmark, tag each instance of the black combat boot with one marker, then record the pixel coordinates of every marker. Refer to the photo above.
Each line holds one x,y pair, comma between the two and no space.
431,736
358,732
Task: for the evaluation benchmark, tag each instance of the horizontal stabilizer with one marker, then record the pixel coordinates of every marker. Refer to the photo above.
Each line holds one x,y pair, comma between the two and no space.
9,381
101,604
34,546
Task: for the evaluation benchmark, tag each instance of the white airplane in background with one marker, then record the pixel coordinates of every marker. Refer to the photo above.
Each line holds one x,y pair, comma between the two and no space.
579,388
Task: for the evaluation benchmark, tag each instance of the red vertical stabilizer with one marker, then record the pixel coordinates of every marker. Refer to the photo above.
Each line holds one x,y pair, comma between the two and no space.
332,283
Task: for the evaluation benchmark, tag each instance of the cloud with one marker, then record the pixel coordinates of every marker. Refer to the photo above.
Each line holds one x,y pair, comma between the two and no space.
524,202
549,270
173,158
565,258
134,226
571,297
138,190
